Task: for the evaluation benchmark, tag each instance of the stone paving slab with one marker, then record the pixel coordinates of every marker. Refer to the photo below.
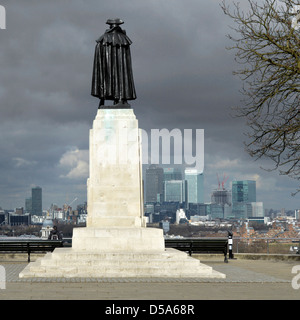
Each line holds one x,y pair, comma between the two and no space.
233,274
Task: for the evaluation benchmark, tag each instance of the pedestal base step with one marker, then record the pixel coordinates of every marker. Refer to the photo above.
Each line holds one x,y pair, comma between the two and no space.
67,263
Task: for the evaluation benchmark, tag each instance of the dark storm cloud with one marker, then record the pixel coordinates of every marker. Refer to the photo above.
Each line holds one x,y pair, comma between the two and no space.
183,77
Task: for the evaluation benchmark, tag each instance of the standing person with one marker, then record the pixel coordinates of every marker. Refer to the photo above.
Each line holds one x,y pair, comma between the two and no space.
54,234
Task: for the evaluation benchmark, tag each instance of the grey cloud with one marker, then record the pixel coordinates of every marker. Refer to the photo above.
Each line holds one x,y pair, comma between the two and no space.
183,77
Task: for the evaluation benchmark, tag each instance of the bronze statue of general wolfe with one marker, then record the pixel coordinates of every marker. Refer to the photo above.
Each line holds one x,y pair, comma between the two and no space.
112,72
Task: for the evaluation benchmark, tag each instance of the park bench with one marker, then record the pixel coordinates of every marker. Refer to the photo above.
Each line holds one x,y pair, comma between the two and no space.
29,246
199,245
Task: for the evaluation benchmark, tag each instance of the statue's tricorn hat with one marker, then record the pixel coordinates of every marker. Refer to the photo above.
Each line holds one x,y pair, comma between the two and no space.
116,21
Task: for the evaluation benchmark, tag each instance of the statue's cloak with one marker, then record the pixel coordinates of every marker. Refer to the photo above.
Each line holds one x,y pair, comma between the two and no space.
112,72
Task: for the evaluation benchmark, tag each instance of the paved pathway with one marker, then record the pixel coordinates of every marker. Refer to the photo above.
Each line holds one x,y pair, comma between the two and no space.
245,279
233,274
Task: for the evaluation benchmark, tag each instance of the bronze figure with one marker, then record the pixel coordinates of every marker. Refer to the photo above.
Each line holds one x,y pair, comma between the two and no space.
112,72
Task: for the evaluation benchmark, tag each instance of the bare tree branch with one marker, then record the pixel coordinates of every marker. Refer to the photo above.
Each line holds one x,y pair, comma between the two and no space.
267,44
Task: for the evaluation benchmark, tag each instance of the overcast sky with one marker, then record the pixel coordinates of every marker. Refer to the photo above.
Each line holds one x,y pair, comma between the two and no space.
183,78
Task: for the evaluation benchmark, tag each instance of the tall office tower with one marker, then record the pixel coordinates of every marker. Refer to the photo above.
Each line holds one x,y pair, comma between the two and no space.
221,197
174,191
220,204
154,184
172,174
255,209
28,205
36,196
195,185
243,193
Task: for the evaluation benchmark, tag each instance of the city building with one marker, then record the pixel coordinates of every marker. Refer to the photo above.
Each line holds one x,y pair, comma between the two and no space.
260,220
180,214
15,219
36,198
221,197
195,185
201,209
174,191
244,191
58,214
243,194
19,210
47,227
81,218
220,211
3,217
172,174
220,206
154,184
28,205
37,219
255,209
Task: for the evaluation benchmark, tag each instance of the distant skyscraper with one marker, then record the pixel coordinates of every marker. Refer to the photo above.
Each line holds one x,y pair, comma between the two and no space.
243,193
255,209
221,197
154,184
174,191
28,205
220,203
36,196
172,174
195,186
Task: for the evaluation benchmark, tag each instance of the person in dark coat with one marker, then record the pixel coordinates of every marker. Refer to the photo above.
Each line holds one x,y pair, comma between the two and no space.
112,70
54,234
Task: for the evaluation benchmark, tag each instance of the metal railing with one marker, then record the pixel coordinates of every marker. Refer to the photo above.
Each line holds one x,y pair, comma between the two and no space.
252,245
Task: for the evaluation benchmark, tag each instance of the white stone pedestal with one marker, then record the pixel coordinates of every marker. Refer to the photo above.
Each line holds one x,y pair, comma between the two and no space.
116,242
115,183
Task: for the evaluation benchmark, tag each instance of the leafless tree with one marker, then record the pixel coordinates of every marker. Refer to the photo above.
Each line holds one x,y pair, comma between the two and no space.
267,43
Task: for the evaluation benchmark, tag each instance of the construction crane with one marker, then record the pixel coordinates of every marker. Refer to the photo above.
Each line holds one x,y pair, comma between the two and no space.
224,181
67,207
225,178
72,201
218,182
